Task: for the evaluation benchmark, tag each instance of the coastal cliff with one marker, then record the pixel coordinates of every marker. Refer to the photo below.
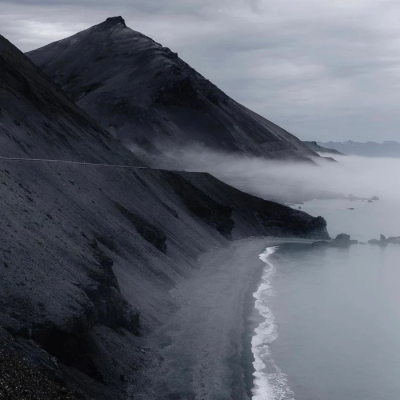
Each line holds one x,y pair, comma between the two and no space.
92,243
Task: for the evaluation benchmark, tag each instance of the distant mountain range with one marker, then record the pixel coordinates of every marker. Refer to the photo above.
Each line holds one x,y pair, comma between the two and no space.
146,96
314,146
368,149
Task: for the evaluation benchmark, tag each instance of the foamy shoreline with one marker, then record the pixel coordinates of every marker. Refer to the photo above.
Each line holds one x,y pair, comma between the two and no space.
269,382
202,347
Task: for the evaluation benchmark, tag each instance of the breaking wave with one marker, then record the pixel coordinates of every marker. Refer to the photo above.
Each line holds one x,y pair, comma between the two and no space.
270,383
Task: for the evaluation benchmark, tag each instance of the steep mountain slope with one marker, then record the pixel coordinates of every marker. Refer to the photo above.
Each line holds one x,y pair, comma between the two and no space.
367,149
38,120
145,94
89,252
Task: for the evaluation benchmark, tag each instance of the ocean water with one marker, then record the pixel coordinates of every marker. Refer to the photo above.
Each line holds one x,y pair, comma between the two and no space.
330,327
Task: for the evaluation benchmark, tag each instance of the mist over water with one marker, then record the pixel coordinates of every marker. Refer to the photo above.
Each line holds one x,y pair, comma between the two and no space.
294,181
360,219
330,320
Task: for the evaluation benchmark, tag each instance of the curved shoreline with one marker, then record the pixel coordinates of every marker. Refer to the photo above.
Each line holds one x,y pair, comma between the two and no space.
204,350
252,317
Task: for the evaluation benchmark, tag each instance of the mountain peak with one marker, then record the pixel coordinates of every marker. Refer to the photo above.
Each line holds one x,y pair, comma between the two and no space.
150,91
115,20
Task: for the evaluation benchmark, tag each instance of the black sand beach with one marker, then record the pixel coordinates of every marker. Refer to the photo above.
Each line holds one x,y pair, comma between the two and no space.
205,348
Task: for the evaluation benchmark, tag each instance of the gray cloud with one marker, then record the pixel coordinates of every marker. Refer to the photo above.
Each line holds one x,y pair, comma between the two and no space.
322,69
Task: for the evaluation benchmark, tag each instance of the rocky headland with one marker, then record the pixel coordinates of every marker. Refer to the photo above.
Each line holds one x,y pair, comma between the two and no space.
94,243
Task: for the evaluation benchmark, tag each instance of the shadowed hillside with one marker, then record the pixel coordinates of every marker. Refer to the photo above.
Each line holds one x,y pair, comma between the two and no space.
146,95
89,252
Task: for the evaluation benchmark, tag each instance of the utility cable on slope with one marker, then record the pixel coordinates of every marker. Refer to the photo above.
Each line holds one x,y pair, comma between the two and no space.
68,162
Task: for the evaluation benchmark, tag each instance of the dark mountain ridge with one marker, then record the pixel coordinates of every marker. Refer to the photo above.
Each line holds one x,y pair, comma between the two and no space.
38,120
89,253
145,95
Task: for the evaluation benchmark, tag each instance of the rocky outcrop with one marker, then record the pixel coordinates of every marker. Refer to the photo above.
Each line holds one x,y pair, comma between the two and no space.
147,96
270,218
341,240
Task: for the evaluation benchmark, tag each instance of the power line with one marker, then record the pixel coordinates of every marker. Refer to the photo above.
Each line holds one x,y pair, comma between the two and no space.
69,162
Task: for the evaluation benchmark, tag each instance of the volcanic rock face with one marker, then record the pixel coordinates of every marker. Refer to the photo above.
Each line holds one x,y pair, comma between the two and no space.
89,252
146,95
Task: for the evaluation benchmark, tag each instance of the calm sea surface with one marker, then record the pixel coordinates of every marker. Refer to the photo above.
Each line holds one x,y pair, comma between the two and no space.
331,327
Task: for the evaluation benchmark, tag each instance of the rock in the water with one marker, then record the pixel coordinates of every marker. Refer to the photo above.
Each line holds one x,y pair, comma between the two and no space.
341,240
385,241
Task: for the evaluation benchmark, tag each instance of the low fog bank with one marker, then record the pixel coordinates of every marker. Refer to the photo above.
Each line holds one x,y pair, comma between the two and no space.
295,182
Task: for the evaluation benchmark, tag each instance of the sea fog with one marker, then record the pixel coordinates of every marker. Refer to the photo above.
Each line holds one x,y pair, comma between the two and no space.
329,317
362,177
314,184
332,320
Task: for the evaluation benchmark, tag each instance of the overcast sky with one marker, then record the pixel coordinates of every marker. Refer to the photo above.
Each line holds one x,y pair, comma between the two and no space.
322,69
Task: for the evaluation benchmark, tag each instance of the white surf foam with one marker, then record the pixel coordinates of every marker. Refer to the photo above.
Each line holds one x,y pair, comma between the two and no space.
270,383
